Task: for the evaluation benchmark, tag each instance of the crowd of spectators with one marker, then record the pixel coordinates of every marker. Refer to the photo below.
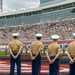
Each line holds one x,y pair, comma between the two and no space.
64,28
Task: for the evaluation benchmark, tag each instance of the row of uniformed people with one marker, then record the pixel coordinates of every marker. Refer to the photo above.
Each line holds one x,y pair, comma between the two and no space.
52,53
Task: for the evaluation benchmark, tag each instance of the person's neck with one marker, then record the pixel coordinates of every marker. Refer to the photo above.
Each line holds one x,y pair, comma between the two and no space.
54,41
38,40
15,38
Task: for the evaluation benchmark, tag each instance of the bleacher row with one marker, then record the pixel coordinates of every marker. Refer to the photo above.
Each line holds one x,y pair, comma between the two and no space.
64,28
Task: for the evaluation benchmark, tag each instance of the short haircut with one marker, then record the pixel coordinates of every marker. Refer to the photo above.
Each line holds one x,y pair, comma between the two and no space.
55,39
38,38
15,37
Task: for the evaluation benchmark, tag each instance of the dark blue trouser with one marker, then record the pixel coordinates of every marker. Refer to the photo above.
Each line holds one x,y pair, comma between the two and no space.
72,69
12,64
54,68
36,65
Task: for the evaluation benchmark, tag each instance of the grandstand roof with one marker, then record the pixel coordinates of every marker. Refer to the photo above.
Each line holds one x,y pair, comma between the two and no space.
39,8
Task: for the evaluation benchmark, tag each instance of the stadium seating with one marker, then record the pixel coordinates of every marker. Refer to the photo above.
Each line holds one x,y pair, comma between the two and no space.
64,28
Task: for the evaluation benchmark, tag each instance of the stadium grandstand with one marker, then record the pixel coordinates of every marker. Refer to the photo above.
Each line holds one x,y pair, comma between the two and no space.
51,17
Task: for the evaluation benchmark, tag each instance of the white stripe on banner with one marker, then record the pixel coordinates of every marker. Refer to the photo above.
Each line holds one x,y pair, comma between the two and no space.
26,67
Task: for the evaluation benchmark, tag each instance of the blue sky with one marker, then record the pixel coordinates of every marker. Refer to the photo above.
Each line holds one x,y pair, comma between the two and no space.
9,5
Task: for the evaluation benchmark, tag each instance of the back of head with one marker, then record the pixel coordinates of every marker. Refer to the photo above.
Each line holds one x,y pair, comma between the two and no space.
55,37
15,35
38,36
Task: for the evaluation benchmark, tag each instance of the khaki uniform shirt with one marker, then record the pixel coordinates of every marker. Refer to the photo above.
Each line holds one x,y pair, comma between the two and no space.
71,48
15,45
53,49
36,46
